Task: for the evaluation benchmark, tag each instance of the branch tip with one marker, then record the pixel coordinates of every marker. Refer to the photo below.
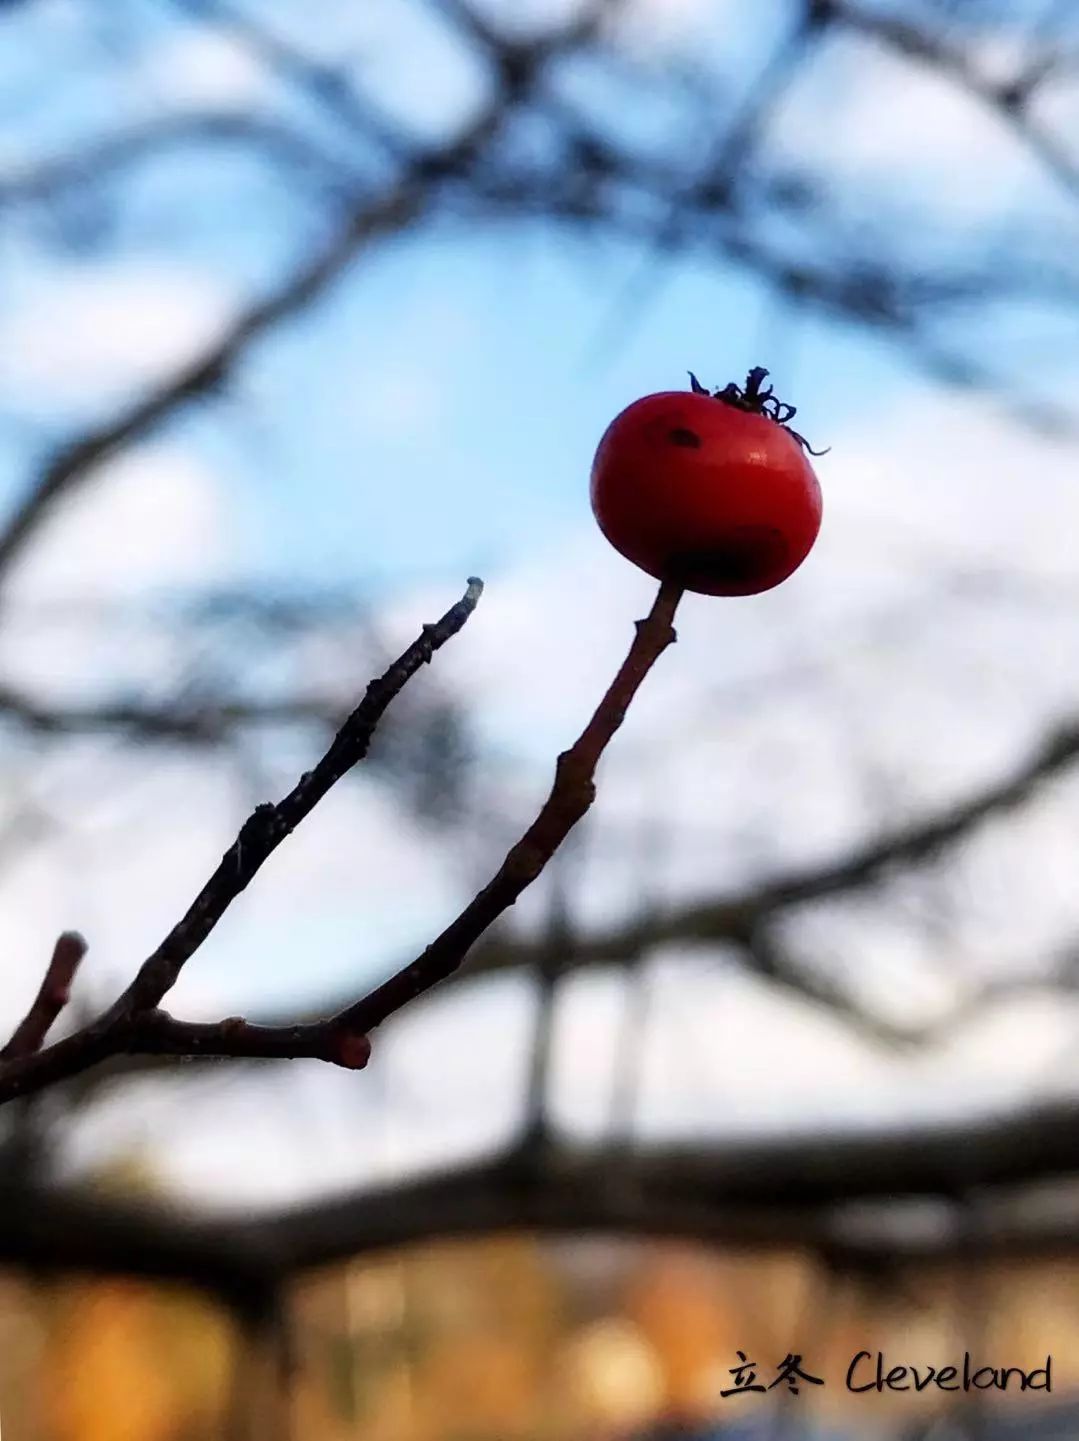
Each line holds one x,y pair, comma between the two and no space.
53,995
134,1023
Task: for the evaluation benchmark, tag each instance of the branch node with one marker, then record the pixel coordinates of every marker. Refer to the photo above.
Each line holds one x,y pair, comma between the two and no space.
350,1049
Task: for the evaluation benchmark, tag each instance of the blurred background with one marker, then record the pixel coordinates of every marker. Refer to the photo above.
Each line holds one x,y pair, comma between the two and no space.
307,312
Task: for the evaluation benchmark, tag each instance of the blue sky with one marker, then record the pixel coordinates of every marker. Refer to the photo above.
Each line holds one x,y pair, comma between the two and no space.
444,399
448,394
435,414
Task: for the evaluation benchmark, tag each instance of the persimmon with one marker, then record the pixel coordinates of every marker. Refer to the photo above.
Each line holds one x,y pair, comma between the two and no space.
711,490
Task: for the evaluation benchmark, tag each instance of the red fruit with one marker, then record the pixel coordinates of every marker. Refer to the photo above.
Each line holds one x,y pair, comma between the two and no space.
712,491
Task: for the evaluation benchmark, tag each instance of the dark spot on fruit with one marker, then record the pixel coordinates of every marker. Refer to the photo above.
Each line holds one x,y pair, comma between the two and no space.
681,436
747,559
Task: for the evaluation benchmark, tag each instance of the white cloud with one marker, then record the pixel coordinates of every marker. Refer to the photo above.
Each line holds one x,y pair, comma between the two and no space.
200,68
646,23
924,646
154,521
867,116
90,333
719,1055
733,786
355,891
155,518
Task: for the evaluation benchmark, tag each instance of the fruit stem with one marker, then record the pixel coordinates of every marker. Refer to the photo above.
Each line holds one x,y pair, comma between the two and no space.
667,600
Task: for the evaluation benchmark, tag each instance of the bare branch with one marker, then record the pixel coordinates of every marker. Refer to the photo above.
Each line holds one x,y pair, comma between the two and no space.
158,1033
1009,101
741,1190
133,1024
268,826
46,1230
44,181
328,87
743,919
55,992
571,795
75,461
781,1192
408,198
210,720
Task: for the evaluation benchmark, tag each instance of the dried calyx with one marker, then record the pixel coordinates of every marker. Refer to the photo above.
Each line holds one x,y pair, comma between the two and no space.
757,400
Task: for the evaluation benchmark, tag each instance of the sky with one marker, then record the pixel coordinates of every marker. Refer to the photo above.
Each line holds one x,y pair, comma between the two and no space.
435,416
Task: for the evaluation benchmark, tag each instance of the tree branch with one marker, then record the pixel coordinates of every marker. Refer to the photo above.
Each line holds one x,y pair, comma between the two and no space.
571,794
45,181
1009,101
404,201
207,721
55,992
743,919
75,460
739,918
133,1024
806,1190
328,87
795,1177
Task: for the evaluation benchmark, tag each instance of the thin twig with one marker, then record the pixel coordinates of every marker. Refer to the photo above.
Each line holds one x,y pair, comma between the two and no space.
1011,102
134,1024
74,461
741,918
327,86
49,179
268,825
404,201
572,793
29,1035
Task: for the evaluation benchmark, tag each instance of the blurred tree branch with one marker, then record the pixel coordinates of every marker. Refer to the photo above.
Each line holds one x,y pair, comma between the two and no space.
854,277
1010,99
327,87
48,181
206,721
745,919
409,196
749,208
873,1201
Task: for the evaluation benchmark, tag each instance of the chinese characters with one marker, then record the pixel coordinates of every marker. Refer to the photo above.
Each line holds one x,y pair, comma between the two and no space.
789,1372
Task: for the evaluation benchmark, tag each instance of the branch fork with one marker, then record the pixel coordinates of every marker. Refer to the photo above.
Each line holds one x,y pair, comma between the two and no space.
137,1024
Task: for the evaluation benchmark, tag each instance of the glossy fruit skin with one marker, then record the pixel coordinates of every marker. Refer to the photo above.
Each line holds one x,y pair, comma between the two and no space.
695,490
